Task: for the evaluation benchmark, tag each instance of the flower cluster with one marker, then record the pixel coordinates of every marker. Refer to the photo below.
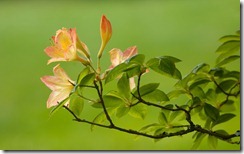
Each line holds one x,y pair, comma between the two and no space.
66,46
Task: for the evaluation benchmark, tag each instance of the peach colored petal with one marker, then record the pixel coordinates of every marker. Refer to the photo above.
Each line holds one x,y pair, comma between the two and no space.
54,52
63,39
60,73
131,51
115,57
56,97
54,82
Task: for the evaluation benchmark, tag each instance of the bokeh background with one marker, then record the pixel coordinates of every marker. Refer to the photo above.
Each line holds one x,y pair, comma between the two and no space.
186,29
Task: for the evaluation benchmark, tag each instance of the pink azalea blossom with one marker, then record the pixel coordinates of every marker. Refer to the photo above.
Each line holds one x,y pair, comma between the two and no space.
65,46
60,84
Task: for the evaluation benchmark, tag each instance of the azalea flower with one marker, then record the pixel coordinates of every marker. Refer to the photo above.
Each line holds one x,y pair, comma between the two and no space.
117,57
60,84
65,46
105,32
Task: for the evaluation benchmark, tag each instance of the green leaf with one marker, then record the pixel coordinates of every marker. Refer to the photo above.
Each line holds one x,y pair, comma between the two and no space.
123,86
138,111
232,74
175,93
222,132
226,85
76,104
229,38
212,141
223,118
199,82
88,79
198,91
230,46
56,108
167,66
150,128
82,74
153,62
211,112
157,132
184,82
162,118
229,106
115,72
156,96
228,60
175,114
137,59
122,110
133,70
173,59
146,89
203,67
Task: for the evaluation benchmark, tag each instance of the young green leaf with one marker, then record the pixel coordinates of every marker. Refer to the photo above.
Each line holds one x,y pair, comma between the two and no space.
226,85
162,118
212,141
203,67
138,111
198,140
173,59
211,112
175,93
76,104
87,80
229,38
133,70
82,74
115,72
167,66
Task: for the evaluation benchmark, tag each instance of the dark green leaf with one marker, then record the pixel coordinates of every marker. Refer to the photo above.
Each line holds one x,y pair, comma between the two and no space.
199,82
122,110
228,60
230,46
146,89
124,86
198,91
218,71
153,62
76,104
226,85
167,66
184,82
156,96
203,67
138,111
223,118
212,141
222,132
88,79
137,59
229,106
115,72
232,74
173,59
177,74
56,108
211,112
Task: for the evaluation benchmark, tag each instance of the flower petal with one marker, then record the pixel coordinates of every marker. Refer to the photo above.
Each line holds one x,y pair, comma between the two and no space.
131,51
55,97
115,57
59,72
63,39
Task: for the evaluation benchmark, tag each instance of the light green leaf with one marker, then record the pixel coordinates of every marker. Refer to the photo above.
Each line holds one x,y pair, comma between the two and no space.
76,104
123,86
183,84
56,108
150,128
211,112
133,70
146,89
212,141
228,60
229,38
115,72
173,59
229,106
203,67
198,140
88,79
157,132
198,91
230,46
138,111
199,82
122,110
156,96
175,93
162,118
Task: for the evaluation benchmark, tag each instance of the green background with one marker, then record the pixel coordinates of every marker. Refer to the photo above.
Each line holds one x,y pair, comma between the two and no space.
186,29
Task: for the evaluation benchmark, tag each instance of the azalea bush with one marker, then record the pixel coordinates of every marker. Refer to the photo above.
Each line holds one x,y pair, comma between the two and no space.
212,93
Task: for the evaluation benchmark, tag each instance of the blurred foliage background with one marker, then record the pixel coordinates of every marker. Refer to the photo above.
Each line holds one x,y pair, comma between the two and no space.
186,29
